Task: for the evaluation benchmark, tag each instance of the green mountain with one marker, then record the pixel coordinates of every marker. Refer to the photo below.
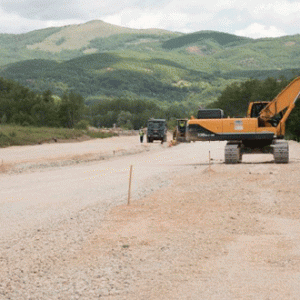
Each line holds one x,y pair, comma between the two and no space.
222,39
101,60
63,43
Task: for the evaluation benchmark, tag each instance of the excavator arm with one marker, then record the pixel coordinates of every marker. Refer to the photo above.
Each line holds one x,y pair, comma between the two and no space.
284,102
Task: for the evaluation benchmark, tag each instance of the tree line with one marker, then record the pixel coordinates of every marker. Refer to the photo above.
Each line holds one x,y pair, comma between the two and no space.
19,105
133,112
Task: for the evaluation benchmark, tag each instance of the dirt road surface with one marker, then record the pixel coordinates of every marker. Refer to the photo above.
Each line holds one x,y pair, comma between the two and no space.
193,230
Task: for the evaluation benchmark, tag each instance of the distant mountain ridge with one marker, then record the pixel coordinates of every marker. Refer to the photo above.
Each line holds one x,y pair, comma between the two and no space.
74,37
68,42
98,59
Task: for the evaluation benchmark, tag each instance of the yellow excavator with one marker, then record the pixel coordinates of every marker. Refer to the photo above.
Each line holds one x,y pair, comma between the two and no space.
262,131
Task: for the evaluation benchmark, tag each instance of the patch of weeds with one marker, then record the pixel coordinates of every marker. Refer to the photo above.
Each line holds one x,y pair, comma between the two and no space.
12,134
4,140
100,135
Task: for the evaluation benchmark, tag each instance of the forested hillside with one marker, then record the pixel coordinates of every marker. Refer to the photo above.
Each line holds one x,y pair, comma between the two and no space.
108,66
100,60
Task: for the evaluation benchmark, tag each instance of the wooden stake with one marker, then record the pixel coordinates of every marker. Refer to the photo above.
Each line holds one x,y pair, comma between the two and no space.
129,188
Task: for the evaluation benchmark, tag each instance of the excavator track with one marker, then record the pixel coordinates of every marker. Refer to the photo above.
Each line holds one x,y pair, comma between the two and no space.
232,154
281,152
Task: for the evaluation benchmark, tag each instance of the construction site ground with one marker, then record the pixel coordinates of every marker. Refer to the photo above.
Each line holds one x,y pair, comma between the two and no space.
194,228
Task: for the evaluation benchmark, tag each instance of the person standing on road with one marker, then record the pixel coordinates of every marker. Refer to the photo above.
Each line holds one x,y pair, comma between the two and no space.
142,135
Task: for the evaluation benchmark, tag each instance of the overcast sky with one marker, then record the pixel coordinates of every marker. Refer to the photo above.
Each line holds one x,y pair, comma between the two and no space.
255,18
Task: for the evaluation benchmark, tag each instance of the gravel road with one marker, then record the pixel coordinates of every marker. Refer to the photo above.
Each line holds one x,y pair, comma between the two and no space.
192,230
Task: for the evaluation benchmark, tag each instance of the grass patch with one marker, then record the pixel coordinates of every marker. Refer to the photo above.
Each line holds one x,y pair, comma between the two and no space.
13,135
100,135
18,135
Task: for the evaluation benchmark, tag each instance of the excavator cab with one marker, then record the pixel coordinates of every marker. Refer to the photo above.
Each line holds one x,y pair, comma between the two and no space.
254,112
255,108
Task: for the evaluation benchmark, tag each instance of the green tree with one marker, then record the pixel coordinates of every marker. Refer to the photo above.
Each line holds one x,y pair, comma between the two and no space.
45,111
124,120
71,109
232,101
22,118
4,119
293,123
82,124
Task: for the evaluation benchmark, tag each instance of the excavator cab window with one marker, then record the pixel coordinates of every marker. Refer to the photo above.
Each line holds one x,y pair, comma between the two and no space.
257,108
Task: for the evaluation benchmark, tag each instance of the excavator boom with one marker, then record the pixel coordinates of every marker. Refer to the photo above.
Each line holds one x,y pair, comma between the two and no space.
284,100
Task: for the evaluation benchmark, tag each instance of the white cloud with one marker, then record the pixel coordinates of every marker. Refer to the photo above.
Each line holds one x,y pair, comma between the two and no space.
258,17
65,9
11,23
256,30
200,6
174,20
60,23
278,9
141,19
14,23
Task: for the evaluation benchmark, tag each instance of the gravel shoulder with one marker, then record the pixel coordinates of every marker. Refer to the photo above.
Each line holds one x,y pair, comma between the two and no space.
192,230
18,159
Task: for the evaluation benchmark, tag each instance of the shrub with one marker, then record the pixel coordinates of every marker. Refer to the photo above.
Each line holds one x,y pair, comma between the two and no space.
83,124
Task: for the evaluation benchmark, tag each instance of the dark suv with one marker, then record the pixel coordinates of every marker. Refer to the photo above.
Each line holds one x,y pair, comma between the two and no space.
157,130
